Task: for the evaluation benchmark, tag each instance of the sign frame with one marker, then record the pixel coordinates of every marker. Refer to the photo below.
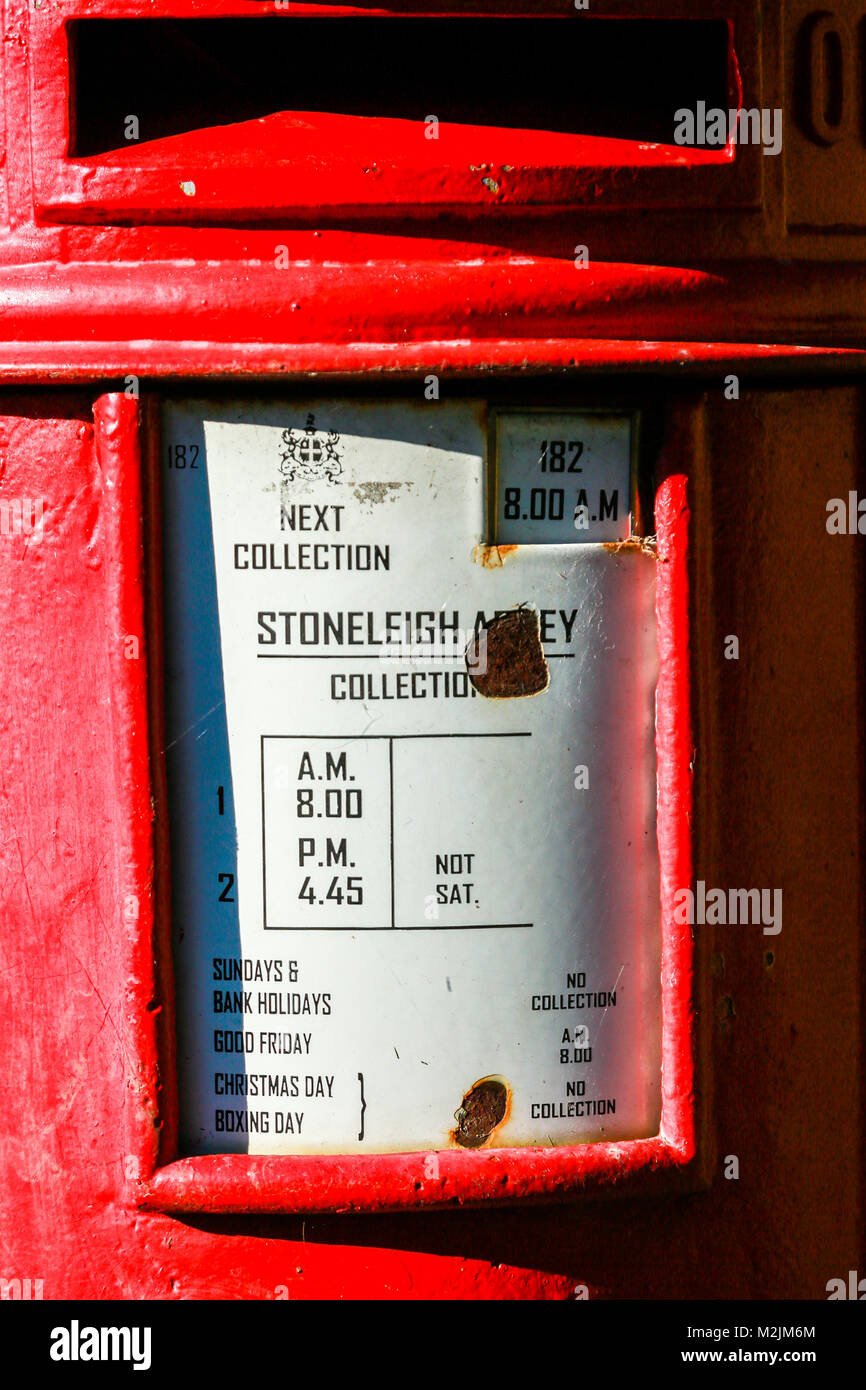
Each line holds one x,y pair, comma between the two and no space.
633,415
159,1178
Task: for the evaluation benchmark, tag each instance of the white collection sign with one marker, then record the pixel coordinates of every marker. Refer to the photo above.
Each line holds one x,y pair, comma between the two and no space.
412,780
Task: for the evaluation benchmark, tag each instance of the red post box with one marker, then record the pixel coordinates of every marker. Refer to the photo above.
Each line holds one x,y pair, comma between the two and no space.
430,448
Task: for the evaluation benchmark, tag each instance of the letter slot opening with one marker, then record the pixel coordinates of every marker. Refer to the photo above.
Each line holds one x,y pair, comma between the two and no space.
621,79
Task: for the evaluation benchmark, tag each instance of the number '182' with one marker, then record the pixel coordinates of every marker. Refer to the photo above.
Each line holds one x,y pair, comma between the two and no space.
554,455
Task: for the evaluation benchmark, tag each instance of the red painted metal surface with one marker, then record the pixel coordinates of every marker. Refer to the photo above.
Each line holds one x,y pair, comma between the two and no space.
437,263
459,279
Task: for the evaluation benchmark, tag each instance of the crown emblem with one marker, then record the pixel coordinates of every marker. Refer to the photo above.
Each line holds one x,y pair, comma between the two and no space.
310,453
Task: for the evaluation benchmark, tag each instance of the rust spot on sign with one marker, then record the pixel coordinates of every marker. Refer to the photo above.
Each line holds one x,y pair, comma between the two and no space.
647,545
506,660
482,1110
492,557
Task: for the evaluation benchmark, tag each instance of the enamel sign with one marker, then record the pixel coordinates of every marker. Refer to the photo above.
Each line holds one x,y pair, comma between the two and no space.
409,700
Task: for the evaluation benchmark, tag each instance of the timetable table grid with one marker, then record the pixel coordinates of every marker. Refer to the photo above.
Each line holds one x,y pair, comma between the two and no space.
389,856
